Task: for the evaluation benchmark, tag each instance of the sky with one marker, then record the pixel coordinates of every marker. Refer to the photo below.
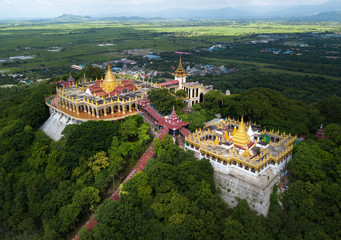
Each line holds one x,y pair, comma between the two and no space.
105,8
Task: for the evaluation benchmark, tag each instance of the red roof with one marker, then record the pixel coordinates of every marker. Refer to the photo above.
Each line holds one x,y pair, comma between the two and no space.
130,87
95,88
184,131
98,83
100,93
114,93
173,122
164,131
320,133
119,88
144,101
168,83
126,82
67,84
153,113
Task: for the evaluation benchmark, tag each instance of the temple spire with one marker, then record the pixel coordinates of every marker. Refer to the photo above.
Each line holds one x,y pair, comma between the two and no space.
180,71
241,138
84,79
110,81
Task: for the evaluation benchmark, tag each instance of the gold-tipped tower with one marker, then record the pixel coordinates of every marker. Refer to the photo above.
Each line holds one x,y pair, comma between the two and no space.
110,81
180,71
241,138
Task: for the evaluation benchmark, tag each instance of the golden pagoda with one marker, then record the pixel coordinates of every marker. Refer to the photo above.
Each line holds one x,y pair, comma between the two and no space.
226,136
241,138
247,152
234,131
216,141
110,81
180,71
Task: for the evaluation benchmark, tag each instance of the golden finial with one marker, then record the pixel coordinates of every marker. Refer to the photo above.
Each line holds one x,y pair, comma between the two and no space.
247,152
216,141
234,131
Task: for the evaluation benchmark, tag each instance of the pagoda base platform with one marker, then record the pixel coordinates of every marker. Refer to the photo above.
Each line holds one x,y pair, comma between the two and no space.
84,116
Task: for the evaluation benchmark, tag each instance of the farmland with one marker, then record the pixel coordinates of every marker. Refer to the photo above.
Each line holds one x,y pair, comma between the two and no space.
78,42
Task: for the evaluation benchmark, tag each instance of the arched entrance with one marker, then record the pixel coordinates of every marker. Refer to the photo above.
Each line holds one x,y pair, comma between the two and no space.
201,97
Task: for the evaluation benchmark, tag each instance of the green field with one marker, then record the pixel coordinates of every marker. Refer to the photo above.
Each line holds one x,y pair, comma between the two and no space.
78,41
266,67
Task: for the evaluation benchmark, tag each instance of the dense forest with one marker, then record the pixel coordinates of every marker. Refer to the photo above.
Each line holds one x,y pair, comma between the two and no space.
176,198
306,89
264,106
48,189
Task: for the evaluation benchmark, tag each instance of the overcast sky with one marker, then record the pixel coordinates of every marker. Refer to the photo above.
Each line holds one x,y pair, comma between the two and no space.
55,8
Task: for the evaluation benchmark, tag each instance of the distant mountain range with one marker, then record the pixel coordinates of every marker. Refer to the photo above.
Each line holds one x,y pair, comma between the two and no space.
77,18
326,16
247,12
72,18
330,11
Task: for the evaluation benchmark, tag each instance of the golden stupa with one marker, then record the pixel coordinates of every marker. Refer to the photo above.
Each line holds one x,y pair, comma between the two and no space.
226,136
247,152
234,131
241,138
110,81
216,141
180,71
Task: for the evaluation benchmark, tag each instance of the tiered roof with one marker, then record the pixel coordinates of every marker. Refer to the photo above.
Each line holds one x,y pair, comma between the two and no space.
320,133
173,122
144,101
71,79
84,79
241,138
180,71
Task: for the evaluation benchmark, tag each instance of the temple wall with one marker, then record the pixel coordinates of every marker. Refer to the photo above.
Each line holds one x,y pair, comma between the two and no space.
55,124
234,188
237,183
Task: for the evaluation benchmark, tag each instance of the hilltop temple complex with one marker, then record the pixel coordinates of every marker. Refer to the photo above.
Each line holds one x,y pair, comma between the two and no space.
246,158
113,99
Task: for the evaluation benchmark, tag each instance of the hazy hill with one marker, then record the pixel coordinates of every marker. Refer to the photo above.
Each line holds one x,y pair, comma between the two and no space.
307,10
250,12
72,18
326,16
226,12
